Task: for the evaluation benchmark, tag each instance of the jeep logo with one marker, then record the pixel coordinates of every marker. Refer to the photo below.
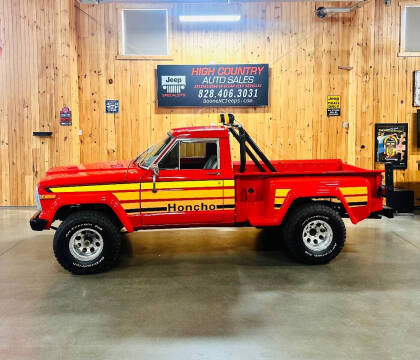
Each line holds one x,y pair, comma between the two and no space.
173,84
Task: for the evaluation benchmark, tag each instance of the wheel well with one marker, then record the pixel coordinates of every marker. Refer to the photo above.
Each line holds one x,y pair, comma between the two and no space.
64,211
332,202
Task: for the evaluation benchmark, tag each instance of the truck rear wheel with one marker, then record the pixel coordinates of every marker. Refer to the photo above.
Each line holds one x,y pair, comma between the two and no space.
87,242
314,234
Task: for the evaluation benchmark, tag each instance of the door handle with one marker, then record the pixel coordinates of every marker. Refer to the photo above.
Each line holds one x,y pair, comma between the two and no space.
215,174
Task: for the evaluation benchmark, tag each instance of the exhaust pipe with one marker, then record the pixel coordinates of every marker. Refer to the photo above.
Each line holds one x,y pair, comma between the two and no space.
322,12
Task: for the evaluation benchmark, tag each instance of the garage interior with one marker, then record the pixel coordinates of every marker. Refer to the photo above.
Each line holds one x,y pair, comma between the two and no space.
220,293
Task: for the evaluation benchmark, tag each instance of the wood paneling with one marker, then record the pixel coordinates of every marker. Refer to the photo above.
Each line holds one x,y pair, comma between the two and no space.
393,88
38,76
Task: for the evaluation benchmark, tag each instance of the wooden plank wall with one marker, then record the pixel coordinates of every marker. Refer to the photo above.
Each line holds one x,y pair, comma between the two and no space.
38,75
393,88
304,53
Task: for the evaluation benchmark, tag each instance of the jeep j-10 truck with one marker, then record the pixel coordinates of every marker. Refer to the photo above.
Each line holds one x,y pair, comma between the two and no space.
189,180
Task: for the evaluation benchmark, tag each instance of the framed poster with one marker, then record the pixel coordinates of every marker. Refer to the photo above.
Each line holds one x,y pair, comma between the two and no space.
416,90
391,144
212,85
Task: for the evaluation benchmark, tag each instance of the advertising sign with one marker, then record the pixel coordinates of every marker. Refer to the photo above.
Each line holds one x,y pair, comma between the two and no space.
391,144
212,85
333,105
112,106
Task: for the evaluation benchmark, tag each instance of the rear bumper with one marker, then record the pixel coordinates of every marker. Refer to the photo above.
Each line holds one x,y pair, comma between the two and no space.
36,223
386,211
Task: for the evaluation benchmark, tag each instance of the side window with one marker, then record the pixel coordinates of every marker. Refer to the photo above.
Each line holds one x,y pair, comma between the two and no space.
199,154
171,159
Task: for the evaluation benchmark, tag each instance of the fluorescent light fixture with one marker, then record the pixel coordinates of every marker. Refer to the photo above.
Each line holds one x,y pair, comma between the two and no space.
209,18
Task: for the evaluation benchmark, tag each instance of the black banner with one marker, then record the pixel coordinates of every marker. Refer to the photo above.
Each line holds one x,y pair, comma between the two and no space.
212,85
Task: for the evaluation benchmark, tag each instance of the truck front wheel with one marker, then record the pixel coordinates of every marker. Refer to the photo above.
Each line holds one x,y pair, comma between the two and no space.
87,242
314,234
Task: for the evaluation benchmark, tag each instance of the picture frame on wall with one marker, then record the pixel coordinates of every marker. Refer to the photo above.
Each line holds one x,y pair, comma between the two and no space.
416,89
391,144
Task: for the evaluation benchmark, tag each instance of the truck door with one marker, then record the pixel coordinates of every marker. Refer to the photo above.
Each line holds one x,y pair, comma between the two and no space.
188,188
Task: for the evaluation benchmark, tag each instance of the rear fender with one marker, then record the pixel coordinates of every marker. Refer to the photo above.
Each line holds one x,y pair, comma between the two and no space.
356,214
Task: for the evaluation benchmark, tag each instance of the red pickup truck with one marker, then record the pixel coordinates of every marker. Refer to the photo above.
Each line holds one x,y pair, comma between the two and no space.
189,180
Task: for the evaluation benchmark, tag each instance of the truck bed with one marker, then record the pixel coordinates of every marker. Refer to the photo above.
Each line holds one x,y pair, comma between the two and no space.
256,191
304,167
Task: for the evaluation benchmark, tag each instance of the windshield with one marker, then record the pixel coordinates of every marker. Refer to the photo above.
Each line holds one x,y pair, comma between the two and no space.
146,158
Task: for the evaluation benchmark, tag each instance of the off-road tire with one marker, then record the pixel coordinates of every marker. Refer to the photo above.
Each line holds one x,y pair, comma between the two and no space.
301,218
104,226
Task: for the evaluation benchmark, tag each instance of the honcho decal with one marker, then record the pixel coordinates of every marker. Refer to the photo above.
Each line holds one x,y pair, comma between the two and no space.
171,196
182,206
212,85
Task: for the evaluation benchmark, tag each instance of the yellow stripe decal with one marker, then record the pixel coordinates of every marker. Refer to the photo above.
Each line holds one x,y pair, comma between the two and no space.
129,206
228,182
133,195
183,184
144,186
358,190
106,187
167,190
351,199
229,192
279,201
181,194
282,192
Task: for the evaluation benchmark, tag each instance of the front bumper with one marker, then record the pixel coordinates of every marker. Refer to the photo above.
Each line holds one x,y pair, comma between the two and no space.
36,223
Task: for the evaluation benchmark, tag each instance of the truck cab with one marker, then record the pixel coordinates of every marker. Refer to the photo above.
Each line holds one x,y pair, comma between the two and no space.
189,182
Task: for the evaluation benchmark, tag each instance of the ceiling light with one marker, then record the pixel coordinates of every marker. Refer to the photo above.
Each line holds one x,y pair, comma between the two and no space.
209,18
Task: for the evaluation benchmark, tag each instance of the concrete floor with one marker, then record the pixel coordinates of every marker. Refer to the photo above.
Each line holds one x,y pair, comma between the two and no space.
213,294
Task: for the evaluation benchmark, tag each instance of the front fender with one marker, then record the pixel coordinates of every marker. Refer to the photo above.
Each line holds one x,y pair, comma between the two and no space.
64,199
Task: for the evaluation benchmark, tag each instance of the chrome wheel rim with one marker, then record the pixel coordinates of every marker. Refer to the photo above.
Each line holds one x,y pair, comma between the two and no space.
317,235
86,244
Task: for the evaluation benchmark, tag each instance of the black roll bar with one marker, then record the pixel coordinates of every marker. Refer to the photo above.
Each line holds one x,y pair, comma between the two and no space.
243,138
249,152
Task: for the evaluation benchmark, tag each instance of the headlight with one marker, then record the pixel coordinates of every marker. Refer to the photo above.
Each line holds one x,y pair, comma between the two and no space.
37,201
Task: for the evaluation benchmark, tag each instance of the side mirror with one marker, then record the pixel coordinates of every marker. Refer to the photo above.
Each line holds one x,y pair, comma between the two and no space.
155,169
